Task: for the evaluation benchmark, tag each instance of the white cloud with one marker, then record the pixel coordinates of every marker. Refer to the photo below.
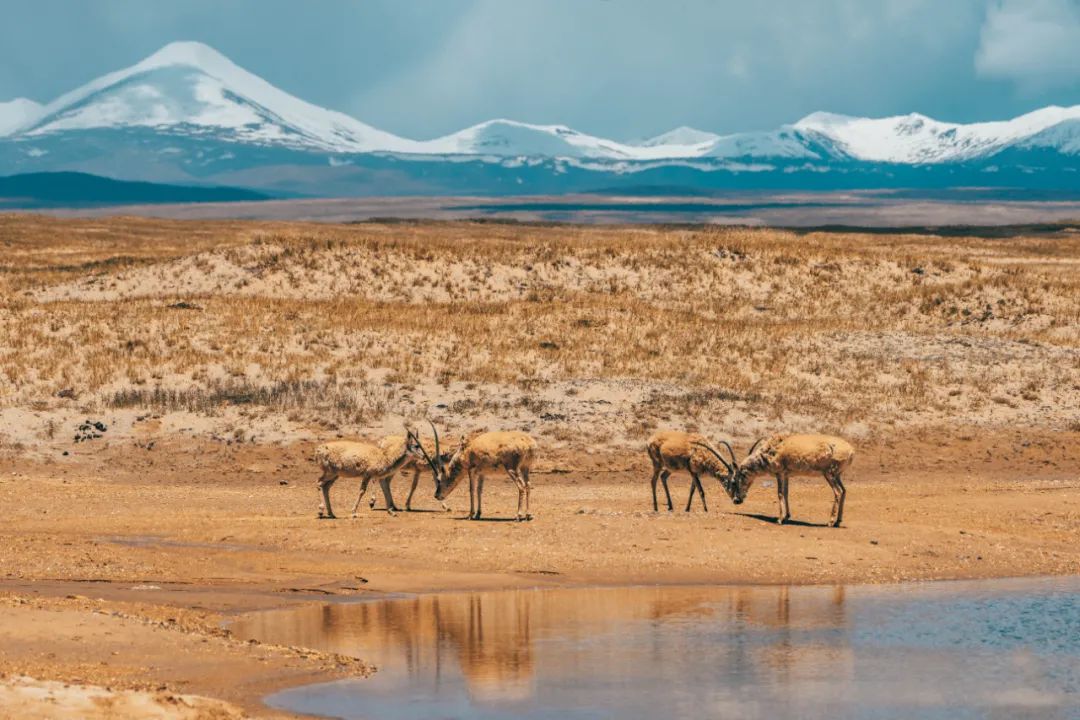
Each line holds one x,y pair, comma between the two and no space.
1034,43
634,68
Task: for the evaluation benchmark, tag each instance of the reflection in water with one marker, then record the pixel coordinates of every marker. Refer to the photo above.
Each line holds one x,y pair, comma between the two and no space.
1003,649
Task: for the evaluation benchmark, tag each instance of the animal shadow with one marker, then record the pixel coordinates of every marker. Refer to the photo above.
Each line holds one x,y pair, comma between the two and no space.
771,519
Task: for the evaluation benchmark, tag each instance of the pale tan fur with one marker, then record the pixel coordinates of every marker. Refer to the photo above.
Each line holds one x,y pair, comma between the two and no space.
672,451
787,455
366,461
512,451
417,464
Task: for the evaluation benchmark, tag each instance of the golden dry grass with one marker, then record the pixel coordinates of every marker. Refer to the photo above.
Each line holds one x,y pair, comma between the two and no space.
718,328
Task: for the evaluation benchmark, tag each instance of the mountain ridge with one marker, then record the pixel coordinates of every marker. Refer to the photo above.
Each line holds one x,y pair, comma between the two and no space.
192,87
189,115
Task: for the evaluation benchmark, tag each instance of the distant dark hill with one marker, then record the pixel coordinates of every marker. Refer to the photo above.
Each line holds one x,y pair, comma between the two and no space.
74,189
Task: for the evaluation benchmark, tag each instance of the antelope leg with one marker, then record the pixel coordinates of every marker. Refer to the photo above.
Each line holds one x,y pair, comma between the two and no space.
384,483
412,489
327,480
664,475
528,488
782,495
479,494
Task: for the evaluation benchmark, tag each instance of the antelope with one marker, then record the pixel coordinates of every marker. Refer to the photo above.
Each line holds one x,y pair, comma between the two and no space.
671,451
368,462
512,451
787,455
417,465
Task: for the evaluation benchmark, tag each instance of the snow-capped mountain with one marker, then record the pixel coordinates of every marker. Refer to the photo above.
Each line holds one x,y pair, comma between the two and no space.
188,114
516,139
917,139
17,114
190,87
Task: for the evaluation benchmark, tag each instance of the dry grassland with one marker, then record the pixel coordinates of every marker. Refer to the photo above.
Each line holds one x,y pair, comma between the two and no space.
583,334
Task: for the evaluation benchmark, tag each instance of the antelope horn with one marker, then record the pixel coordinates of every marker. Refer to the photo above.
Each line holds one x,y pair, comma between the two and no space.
427,458
734,460
714,452
438,453
754,446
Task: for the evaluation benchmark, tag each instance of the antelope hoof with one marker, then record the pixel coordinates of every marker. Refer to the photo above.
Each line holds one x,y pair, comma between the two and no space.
445,507
371,503
327,516
781,520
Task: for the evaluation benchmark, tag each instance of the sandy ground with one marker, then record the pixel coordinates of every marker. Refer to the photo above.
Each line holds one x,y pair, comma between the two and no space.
119,568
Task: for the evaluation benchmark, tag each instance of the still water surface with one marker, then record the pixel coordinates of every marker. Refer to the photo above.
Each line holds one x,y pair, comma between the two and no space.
997,649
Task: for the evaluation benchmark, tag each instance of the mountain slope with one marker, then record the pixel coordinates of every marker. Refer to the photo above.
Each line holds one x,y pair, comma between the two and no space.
68,189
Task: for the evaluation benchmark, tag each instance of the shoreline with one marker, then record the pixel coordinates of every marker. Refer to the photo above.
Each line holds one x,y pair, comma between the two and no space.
155,557
274,673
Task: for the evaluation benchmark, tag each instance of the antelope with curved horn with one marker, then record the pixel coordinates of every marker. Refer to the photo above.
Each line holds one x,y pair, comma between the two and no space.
787,455
671,451
512,451
366,461
417,465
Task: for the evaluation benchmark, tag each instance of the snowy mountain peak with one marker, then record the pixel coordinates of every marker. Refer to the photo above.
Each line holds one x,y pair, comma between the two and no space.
193,54
18,113
682,135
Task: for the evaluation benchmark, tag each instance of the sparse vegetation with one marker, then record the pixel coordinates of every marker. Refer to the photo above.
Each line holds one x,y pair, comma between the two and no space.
352,322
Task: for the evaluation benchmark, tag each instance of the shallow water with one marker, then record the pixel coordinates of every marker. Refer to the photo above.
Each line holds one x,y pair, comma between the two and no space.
996,649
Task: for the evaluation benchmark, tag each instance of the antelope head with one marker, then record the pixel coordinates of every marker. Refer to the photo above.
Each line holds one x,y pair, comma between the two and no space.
741,479
451,472
736,484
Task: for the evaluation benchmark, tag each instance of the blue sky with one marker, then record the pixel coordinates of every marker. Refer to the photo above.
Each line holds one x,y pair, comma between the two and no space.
626,69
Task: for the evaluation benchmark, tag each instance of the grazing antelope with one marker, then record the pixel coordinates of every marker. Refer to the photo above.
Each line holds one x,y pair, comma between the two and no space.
367,462
671,451
787,455
417,465
512,451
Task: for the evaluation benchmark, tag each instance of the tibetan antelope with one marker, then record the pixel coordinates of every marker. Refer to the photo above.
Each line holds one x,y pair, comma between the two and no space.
417,465
512,451
671,451
366,461
787,455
